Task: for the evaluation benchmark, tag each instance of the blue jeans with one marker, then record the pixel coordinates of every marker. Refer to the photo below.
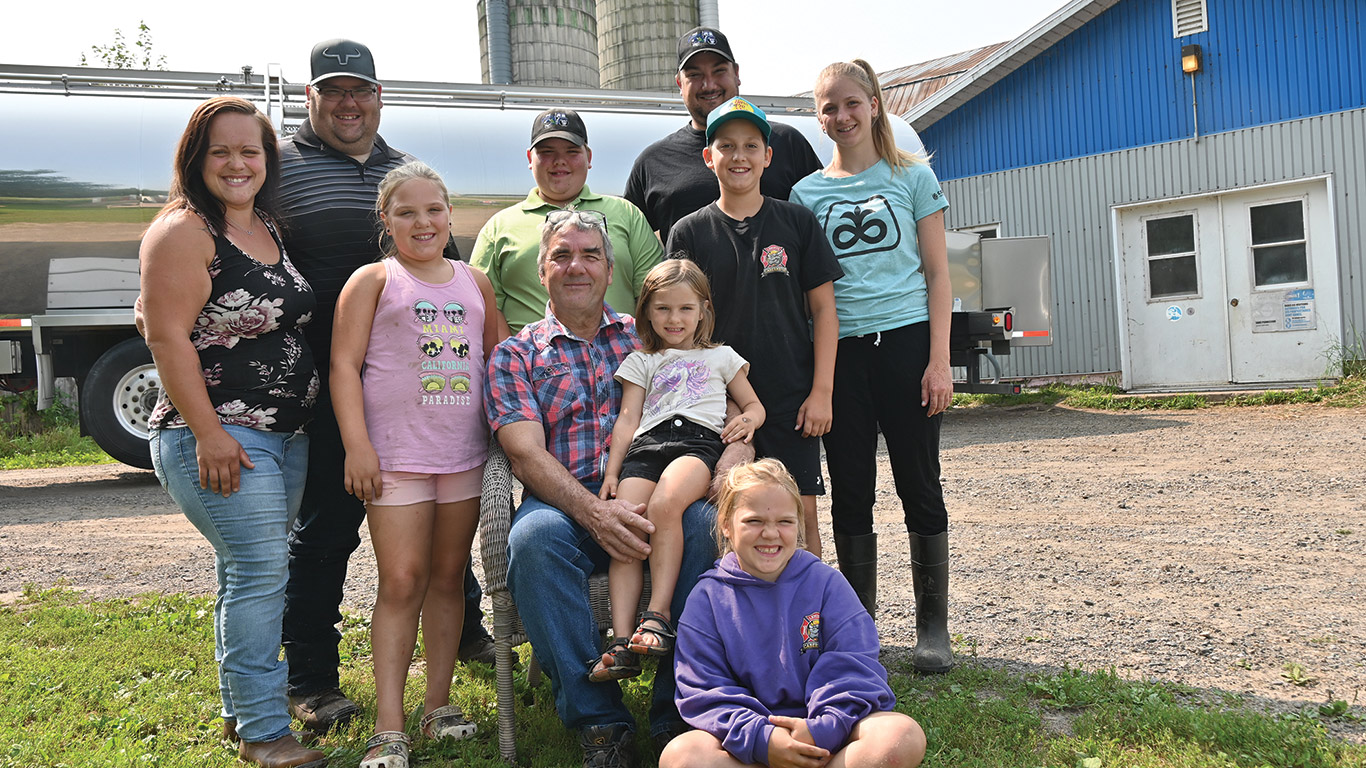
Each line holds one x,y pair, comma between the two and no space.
249,531
550,558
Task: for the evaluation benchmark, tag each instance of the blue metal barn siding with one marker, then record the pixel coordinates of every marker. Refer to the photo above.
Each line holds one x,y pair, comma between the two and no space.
1116,83
1070,201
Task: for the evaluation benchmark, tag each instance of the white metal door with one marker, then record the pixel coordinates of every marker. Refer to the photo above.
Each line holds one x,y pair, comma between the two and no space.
1173,295
1283,309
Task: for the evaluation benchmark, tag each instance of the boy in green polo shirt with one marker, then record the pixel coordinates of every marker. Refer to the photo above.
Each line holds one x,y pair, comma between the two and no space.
507,246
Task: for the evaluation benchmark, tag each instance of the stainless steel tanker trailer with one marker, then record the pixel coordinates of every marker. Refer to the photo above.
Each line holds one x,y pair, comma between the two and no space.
85,159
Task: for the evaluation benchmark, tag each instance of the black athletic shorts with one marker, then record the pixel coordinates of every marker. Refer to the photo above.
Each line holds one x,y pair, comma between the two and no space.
673,438
776,439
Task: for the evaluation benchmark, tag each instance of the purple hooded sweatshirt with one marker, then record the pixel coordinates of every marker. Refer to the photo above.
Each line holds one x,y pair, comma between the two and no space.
801,646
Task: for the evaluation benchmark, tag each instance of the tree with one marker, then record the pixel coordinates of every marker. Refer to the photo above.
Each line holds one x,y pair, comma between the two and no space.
119,55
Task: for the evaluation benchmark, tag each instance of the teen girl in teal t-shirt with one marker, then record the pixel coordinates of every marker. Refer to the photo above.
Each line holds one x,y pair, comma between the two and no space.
883,211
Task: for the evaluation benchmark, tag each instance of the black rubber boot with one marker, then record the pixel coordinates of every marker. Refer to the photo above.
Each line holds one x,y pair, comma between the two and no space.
933,653
858,563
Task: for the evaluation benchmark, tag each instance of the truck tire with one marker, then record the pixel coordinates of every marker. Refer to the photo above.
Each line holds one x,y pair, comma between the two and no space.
117,398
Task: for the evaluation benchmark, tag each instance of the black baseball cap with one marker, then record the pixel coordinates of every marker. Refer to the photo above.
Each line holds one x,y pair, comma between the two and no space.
699,39
559,124
342,58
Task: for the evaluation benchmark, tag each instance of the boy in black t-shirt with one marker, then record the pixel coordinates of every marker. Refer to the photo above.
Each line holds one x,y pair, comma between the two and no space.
772,271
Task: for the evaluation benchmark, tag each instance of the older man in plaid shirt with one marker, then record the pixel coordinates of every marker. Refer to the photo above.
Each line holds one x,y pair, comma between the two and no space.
552,399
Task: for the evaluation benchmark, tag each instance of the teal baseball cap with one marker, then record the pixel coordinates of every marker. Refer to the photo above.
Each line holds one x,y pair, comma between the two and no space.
737,107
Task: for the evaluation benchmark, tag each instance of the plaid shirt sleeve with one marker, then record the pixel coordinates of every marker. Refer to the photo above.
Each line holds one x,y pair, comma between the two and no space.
508,396
565,384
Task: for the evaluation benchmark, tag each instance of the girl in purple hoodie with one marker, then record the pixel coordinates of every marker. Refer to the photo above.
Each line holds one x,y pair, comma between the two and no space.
776,660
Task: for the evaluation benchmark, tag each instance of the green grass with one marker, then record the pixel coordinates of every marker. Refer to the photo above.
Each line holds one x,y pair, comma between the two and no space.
132,683
18,210
1349,392
31,439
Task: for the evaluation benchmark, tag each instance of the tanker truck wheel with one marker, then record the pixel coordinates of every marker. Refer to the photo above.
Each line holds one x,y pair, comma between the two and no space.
117,398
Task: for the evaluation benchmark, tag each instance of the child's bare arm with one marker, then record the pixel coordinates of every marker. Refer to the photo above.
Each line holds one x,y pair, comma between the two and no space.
936,386
628,420
350,339
752,414
816,414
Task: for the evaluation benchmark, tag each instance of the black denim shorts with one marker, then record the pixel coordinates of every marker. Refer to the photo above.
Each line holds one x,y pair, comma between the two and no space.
673,438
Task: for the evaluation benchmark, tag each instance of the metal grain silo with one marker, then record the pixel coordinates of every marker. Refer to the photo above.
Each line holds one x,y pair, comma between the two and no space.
637,42
549,42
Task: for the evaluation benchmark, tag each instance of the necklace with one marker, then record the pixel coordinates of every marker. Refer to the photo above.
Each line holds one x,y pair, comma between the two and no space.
249,232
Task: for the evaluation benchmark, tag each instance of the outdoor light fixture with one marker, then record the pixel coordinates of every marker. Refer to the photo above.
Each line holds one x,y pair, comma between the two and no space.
1190,64
1190,59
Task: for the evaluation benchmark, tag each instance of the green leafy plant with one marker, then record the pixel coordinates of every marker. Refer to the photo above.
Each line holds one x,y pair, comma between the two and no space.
31,439
1296,674
119,55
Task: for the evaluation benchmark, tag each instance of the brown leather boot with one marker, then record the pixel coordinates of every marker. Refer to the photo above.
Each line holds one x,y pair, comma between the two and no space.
284,752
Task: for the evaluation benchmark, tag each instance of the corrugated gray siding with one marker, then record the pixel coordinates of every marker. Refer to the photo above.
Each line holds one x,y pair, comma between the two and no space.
1070,202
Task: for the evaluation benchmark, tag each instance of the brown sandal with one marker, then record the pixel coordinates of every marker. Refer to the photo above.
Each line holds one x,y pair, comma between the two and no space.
624,663
663,634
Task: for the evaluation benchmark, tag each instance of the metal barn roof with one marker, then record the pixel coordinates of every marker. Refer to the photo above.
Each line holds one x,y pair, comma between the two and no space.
905,87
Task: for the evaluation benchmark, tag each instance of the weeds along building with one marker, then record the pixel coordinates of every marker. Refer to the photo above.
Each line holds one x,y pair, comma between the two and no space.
1198,167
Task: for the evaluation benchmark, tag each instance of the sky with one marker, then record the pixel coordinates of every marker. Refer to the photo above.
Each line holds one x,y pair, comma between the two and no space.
780,46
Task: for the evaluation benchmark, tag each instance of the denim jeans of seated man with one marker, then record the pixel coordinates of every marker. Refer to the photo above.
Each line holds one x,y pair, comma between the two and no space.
550,558
249,532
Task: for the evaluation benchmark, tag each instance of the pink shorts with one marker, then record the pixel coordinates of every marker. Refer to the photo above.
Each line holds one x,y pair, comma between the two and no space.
399,489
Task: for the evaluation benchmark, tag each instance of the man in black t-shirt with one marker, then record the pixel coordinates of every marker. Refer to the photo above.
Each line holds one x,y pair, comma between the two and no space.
669,179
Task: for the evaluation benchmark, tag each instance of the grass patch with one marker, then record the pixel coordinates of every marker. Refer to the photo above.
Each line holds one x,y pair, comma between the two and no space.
1349,392
33,439
132,682
15,210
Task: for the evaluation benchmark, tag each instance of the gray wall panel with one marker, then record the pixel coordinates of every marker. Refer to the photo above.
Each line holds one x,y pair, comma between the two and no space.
1070,202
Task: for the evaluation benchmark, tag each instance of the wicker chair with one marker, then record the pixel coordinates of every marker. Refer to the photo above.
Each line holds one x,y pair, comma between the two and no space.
495,520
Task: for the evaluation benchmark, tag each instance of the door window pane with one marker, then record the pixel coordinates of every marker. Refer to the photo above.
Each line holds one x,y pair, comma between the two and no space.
1278,264
1172,268
1279,253
1277,223
1172,277
1171,235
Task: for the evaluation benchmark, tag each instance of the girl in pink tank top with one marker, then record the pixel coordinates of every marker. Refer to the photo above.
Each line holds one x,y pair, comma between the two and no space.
409,351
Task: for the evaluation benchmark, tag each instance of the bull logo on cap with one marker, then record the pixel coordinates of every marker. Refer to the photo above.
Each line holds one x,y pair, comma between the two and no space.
343,58
702,38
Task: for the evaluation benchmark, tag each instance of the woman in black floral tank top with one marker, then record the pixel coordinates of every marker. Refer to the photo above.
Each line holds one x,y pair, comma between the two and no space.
224,311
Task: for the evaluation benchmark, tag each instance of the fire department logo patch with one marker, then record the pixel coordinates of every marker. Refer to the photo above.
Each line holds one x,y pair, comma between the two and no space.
773,259
811,632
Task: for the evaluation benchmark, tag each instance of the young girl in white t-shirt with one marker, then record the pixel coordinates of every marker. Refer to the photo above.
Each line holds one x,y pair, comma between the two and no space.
667,440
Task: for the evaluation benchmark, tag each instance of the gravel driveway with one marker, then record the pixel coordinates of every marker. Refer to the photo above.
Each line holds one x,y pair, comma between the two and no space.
1210,548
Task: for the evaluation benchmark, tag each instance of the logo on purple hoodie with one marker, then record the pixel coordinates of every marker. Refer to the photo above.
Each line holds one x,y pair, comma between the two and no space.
811,632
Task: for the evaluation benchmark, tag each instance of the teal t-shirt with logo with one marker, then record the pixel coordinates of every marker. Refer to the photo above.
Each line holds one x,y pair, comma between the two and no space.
870,219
